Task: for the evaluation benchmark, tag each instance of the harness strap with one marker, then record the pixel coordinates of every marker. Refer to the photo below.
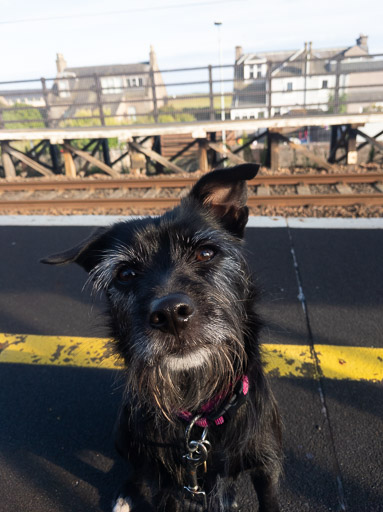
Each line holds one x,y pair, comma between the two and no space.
227,409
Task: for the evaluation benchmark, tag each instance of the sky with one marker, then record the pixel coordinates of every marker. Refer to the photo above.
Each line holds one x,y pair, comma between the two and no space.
182,32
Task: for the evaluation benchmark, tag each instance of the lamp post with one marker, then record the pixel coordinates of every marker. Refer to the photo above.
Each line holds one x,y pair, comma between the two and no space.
218,24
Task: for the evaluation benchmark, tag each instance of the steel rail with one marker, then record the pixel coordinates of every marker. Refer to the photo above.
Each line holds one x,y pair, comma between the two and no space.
372,199
165,202
180,182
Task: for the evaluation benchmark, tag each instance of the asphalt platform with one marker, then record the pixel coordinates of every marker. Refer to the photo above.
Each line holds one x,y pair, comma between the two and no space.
319,287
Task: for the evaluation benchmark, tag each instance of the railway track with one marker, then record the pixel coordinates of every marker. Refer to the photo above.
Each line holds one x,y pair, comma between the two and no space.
165,192
175,182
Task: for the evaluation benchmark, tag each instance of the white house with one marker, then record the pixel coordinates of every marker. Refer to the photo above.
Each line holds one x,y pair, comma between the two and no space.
268,84
125,90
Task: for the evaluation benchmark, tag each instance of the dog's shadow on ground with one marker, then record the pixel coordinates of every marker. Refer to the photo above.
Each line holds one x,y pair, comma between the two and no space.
61,444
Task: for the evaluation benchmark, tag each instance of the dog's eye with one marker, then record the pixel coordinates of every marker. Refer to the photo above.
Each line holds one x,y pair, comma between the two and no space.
125,274
204,254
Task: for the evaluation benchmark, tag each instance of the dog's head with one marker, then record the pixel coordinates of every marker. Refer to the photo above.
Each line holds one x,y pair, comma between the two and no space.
178,290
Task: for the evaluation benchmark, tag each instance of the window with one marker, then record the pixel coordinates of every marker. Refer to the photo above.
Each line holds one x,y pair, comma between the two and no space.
63,87
112,84
324,84
134,81
132,113
261,115
289,86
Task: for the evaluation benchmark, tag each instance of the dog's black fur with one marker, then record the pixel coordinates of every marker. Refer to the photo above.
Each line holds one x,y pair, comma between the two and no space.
181,308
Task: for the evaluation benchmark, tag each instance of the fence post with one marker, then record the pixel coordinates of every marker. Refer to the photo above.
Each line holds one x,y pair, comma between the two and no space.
154,94
352,153
269,94
48,120
335,129
105,151
272,157
156,146
336,92
69,165
203,164
211,93
55,157
305,83
9,168
53,149
99,98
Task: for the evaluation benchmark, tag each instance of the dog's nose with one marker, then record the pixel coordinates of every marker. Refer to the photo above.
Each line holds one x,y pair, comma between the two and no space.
171,313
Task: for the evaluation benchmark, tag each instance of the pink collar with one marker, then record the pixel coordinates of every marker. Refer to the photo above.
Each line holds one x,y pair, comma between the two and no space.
209,407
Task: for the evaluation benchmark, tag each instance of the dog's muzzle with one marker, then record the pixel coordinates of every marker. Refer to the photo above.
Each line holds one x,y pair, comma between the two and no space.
171,313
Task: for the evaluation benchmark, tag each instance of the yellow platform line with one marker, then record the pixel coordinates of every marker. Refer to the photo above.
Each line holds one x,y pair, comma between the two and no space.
336,362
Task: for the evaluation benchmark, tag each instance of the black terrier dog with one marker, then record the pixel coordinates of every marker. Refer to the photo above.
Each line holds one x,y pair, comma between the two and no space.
197,409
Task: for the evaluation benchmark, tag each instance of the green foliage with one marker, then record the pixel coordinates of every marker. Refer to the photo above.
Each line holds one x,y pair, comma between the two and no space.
184,117
342,105
371,154
89,117
373,108
26,116
169,114
165,118
144,120
199,101
30,117
83,117
246,152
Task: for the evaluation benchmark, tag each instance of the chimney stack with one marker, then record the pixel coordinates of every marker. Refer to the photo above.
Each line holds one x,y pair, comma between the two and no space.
238,52
60,63
153,59
362,42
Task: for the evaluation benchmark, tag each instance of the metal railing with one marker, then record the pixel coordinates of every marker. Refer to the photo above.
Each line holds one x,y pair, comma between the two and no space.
270,89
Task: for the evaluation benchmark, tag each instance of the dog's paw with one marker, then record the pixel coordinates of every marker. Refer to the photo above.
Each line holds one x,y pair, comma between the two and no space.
122,505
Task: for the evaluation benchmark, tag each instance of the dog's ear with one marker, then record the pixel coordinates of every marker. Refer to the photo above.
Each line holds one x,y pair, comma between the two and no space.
87,253
224,192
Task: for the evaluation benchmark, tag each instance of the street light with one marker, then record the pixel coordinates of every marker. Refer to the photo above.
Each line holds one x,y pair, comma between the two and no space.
218,24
